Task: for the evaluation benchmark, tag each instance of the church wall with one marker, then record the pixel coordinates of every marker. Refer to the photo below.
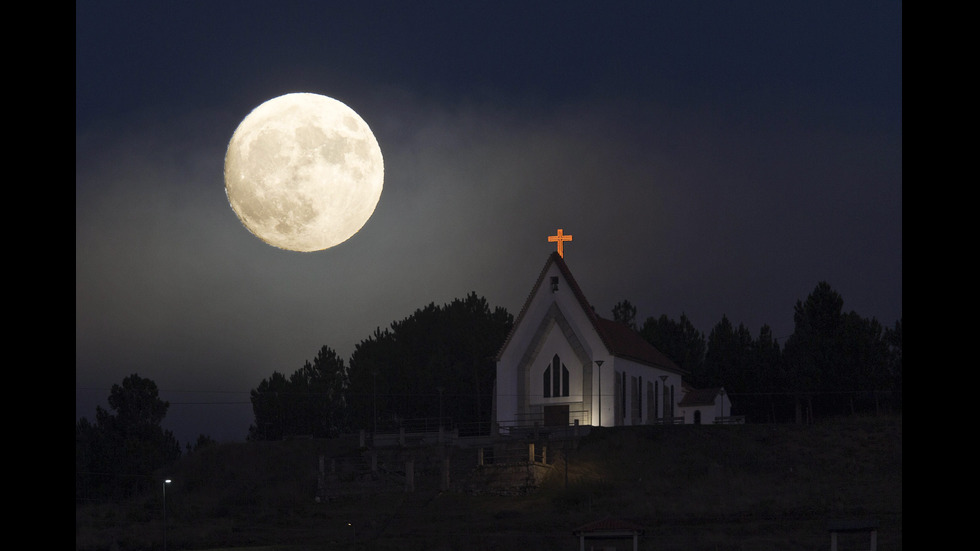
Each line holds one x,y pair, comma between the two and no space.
630,404
708,414
568,304
555,323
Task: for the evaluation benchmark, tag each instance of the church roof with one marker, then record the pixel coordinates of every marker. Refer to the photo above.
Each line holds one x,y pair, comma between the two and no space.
623,342
618,338
699,396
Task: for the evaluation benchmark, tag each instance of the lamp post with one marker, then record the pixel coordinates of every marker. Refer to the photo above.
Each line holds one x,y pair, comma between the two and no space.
165,482
598,369
353,533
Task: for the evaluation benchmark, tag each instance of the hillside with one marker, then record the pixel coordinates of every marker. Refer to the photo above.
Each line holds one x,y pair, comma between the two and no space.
734,487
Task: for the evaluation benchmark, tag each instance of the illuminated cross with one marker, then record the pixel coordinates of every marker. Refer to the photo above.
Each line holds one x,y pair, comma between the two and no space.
560,238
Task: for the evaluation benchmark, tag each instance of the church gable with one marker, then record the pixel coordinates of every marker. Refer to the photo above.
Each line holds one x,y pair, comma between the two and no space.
555,367
554,286
562,363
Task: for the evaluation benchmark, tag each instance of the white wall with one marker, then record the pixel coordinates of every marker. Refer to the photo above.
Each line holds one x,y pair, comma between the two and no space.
564,305
648,374
546,305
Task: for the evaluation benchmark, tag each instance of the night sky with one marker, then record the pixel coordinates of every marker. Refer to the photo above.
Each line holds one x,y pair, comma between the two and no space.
709,158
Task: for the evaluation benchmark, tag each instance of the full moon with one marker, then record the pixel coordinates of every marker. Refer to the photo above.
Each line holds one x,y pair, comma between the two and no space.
303,172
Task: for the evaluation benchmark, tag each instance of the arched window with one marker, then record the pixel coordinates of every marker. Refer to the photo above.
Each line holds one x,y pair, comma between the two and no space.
555,379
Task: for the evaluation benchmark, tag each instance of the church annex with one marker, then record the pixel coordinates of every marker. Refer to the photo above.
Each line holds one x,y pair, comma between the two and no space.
562,364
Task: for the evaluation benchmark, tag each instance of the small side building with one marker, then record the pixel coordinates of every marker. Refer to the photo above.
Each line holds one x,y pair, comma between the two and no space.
609,534
706,406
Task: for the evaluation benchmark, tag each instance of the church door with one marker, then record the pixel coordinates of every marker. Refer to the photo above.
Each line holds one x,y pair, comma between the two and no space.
556,416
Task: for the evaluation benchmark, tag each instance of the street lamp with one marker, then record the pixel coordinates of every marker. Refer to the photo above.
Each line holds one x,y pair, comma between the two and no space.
598,364
165,482
353,532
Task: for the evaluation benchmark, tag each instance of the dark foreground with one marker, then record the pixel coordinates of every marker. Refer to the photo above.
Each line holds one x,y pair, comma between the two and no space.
735,487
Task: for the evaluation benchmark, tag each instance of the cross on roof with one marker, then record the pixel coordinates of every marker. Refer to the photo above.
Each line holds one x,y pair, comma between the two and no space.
560,239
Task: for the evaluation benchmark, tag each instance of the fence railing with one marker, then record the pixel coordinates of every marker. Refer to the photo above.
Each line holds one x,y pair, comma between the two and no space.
667,421
580,417
434,429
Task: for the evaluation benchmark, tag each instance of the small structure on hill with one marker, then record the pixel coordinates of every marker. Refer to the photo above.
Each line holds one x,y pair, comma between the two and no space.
706,406
609,531
858,528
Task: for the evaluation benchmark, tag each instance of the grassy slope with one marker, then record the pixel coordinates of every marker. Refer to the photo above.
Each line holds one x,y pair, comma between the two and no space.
746,487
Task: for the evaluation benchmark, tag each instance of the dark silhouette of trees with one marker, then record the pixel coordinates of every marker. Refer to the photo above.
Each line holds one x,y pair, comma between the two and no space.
764,380
893,339
312,402
842,358
749,369
625,313
203,441
116,456
681,342
269,401
834,362
729,356
812,351
437,363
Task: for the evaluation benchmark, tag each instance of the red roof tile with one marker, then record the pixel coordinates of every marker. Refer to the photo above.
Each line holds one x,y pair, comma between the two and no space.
699,396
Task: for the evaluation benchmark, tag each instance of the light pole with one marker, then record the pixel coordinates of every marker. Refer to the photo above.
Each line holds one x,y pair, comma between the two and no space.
353,533
165,482
598,364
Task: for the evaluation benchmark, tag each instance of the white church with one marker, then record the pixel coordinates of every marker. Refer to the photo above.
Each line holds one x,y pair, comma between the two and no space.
562,364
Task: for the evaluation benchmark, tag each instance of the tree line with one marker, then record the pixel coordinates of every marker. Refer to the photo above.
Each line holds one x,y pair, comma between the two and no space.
439,364
115,455
834,362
